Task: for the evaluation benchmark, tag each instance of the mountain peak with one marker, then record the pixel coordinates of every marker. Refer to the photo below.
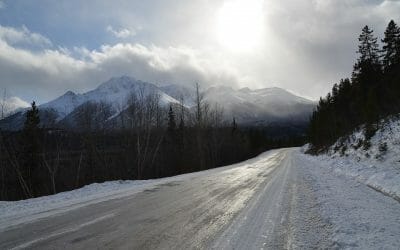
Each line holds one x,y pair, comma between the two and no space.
116,84
220,89
123,78
283,93
272,89
245,89
69,93
68,96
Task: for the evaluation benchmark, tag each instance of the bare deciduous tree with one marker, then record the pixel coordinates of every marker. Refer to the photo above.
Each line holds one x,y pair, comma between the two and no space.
3,104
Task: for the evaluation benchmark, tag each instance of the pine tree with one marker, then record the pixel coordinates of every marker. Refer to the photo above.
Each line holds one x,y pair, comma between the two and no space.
234,125
369,54
32,118
181,124
171,145
31,149
391,46
397,45
368,48
367,76
171,119
335,92
371,94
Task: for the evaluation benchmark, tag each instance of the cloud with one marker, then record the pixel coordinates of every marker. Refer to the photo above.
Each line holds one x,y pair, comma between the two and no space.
122,32
44,74
9,105
23,36
313,43
2,5
307,45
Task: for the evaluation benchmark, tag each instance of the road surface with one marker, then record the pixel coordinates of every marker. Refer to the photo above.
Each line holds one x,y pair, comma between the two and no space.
263,203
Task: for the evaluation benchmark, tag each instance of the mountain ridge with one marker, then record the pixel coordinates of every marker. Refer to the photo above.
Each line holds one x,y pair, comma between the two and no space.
259,106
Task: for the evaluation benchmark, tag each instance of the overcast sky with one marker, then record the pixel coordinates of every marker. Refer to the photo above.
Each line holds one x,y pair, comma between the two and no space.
48,47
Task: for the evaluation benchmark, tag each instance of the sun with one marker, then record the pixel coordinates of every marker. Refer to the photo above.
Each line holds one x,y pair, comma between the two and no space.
240,24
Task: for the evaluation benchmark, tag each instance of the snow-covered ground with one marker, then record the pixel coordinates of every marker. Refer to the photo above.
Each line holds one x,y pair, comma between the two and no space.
358,216
378,166
358,186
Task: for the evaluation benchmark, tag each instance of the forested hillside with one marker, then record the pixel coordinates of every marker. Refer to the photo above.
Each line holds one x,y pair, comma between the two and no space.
156,141
372,93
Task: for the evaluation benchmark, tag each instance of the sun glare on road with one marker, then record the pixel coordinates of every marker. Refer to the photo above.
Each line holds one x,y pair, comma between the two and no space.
240,24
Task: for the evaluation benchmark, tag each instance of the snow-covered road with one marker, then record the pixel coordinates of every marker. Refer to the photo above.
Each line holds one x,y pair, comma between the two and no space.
281,199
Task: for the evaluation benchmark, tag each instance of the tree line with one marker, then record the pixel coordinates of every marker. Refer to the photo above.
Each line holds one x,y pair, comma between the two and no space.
372,92
146,140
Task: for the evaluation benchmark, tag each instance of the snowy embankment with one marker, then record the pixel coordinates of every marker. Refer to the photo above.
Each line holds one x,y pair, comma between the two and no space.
377,166
356,216
357,184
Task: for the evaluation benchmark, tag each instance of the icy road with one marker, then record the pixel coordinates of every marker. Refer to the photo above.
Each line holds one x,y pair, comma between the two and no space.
278,200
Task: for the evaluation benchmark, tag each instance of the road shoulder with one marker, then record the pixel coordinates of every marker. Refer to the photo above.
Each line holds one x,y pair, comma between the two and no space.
360,217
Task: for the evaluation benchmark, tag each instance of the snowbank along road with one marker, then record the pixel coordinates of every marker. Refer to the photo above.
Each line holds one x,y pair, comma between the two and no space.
278,200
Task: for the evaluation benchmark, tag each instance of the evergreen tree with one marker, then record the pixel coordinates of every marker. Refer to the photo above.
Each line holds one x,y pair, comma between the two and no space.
234,125
391,47
398,46
368,47
181,124
335,91
372,93
351,103
181,145
32,118
367,76
31,149
171,145
171,119
369,54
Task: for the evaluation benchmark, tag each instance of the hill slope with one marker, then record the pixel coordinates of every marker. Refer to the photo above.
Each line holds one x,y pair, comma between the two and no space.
375,162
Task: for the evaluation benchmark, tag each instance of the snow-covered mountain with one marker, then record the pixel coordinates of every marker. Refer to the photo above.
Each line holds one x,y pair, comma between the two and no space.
64,104
249,107
260,106
114,92
182,93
